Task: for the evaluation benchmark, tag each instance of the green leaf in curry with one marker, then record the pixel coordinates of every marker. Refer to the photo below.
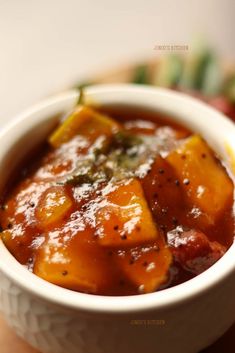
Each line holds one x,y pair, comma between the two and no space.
126,140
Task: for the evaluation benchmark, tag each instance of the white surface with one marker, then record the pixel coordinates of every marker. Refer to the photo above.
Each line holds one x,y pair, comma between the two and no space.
46,45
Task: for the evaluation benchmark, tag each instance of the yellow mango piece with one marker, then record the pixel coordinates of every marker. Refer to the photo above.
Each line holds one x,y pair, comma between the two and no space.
18,245
78,265
53,206
204,179
7,239
124,218
83,121
147,268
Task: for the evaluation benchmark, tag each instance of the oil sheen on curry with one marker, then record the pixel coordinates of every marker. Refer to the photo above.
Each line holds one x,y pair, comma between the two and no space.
119,202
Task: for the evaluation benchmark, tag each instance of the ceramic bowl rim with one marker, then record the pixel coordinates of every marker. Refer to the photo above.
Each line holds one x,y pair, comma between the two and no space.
195,287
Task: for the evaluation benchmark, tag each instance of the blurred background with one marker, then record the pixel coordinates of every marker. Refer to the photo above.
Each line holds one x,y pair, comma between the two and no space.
47,46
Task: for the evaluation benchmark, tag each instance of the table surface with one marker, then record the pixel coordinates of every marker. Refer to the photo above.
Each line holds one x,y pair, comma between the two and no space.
9,342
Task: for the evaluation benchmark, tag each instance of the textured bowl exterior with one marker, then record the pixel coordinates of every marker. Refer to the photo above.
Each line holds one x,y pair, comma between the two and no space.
185,328
183,319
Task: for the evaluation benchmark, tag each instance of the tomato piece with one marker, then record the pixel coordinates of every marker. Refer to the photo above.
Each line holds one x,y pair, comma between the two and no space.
193,250
164,194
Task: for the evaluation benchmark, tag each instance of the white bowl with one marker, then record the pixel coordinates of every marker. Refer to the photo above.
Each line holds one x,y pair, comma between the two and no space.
185,318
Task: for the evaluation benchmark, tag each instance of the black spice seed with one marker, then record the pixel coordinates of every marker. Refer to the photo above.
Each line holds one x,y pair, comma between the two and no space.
177,183
186,181
145,264
174,221
138,228
32,204
115,227
123,237
3,207
131,262
161,171
203,155
64,273
1,229
9,226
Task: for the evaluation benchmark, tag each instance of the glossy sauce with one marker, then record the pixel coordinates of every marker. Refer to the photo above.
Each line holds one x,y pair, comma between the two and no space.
61,220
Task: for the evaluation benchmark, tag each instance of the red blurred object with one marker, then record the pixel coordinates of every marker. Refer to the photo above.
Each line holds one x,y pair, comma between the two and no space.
221,103
193,251
224,105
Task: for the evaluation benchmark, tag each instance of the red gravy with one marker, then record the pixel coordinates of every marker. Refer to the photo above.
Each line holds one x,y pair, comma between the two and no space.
127,204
